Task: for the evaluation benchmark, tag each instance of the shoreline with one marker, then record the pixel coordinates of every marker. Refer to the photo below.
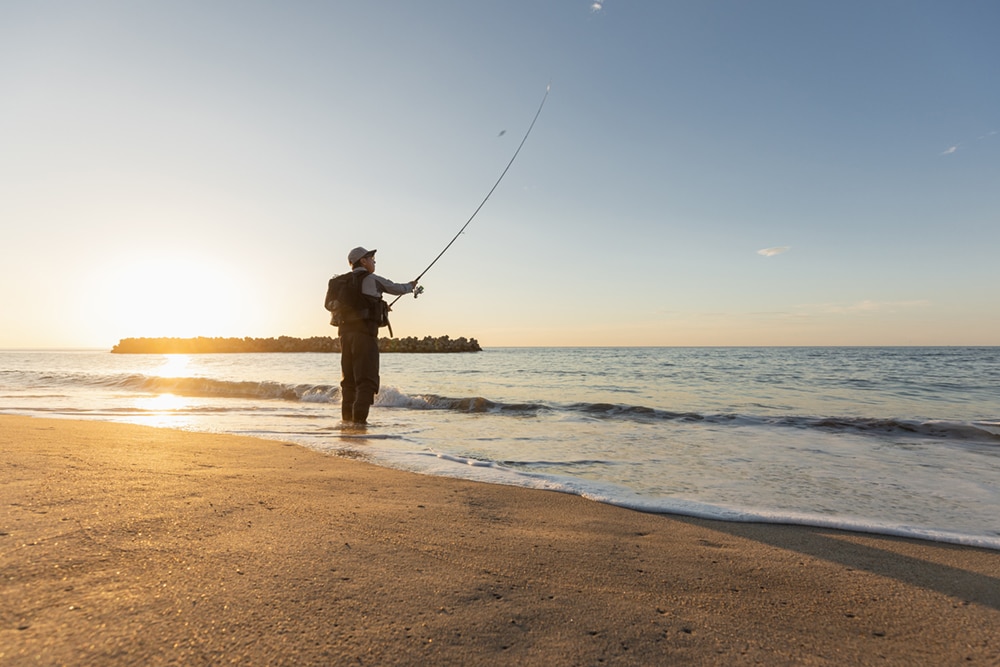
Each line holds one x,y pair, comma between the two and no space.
126,544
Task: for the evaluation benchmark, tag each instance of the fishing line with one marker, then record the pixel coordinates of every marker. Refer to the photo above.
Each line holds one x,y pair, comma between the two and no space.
485,199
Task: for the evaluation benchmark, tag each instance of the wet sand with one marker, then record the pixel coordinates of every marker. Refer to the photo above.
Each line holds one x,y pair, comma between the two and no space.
127,545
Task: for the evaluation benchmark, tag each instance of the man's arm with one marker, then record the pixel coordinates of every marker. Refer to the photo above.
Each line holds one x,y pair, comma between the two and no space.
384,285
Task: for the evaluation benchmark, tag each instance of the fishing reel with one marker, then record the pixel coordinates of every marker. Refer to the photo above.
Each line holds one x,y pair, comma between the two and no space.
417,291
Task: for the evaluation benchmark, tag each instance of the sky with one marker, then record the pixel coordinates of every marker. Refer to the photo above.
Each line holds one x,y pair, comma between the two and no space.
763,172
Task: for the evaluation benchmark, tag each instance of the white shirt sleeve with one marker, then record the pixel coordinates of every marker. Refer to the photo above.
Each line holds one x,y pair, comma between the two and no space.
375,286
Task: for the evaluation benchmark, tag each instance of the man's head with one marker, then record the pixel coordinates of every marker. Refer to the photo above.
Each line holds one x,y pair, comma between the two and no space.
355,256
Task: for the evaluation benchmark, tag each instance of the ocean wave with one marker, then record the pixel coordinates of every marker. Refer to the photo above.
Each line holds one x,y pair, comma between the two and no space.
211,388
978,431
114,412
951,430
983,431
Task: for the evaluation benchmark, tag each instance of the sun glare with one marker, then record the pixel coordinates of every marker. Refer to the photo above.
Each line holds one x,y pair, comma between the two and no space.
175,298
173,365
162,411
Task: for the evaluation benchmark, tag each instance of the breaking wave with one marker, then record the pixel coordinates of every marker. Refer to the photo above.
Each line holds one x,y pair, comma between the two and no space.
973,431
988,431
211,388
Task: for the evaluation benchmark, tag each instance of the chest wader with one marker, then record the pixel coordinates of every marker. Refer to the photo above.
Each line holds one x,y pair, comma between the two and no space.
359,356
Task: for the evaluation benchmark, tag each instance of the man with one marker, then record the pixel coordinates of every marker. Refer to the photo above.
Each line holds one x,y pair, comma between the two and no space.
359,363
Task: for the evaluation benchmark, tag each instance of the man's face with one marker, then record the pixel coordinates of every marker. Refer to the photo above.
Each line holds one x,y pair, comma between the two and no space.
369,263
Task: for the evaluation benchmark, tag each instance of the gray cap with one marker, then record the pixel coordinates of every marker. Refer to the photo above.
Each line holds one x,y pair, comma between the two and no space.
358,253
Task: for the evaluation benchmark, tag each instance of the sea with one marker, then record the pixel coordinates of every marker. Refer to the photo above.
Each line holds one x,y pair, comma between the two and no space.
901,441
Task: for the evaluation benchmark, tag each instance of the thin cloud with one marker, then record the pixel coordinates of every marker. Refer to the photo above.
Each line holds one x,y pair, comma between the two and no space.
771,252
866,306
953,149
891,306
597,6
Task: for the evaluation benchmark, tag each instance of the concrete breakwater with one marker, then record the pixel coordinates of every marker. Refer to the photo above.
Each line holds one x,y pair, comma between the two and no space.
204,345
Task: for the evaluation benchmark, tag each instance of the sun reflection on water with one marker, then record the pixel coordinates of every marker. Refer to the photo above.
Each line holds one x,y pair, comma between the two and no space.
173,365
163,410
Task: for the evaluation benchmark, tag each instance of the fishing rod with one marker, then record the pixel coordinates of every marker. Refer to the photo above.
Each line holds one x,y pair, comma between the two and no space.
485,199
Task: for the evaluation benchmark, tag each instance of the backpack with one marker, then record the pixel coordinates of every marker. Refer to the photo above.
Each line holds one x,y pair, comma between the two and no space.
344,299
346,303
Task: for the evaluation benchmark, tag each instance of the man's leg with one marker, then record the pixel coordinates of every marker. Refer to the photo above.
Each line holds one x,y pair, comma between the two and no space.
348,385
366,370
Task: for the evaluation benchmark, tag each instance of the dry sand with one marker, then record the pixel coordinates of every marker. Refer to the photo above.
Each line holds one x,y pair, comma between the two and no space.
140,546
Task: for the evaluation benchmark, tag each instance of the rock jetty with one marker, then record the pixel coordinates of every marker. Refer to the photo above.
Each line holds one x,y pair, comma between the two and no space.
203,345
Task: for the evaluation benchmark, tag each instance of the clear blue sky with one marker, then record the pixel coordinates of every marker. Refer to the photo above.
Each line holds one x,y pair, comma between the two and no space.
202,168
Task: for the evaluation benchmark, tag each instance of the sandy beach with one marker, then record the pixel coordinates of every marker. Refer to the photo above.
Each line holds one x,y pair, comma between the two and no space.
127,545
